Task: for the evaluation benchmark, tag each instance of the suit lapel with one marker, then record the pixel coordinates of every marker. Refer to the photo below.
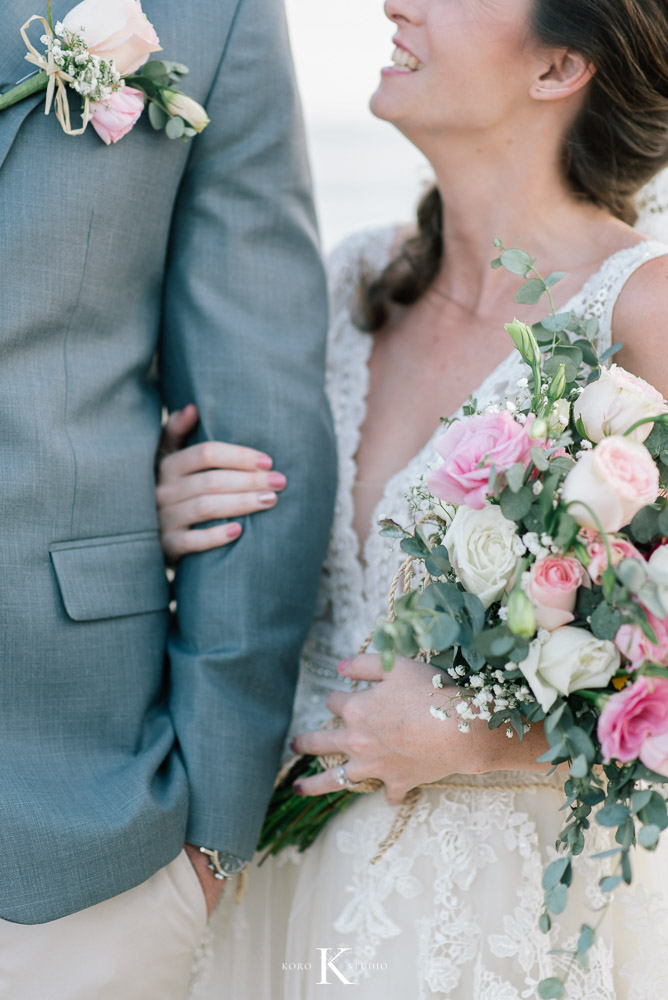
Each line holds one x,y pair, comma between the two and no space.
13,66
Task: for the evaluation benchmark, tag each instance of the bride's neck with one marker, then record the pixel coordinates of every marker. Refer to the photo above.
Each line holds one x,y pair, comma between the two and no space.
504,188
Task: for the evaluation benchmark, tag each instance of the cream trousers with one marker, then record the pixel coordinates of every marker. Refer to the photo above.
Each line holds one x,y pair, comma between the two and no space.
137,946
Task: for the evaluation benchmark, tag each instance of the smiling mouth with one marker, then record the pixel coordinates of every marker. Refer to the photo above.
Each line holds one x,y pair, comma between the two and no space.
405,62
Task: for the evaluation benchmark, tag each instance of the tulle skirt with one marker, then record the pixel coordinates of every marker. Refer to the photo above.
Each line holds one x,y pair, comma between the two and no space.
450,910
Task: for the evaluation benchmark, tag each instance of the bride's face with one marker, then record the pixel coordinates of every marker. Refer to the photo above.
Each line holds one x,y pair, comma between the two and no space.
458,64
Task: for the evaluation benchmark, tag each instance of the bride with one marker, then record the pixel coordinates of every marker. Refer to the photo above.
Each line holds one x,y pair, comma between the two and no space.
542,119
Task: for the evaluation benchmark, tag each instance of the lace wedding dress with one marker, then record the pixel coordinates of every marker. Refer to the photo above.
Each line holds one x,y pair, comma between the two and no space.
452,909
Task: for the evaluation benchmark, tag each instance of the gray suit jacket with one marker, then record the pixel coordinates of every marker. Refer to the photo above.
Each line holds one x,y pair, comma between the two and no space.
122,736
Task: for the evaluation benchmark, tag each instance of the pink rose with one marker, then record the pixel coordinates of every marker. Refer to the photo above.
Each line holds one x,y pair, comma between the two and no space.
553,588
634,724
469,449
114,29
615,479
634,644
620,549
113,118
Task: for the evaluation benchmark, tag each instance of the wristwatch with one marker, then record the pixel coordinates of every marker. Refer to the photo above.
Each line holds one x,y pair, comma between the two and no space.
222,864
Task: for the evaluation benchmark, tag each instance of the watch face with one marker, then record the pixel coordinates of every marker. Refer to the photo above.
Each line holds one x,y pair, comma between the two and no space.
230,864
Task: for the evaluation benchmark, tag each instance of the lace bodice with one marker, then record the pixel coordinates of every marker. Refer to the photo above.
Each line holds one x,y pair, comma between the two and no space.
353,591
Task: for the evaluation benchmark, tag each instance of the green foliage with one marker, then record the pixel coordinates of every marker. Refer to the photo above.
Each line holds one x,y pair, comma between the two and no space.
550,989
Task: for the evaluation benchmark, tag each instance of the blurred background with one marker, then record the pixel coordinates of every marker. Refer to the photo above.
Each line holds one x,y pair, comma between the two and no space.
365,173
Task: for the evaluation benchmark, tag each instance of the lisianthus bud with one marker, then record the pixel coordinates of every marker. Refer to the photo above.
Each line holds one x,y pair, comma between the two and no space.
525,342
558,417
539,429
521,615
183,106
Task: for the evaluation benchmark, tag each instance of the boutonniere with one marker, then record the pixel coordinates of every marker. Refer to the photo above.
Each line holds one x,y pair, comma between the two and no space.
100,51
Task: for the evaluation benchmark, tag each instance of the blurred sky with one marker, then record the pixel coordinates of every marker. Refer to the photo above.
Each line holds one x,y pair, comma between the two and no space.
365,173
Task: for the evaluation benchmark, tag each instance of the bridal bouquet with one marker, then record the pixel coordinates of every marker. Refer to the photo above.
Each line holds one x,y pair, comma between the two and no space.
537,585
99,51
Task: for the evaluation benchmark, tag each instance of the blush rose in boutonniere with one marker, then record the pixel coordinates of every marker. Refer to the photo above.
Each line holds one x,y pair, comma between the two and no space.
100,51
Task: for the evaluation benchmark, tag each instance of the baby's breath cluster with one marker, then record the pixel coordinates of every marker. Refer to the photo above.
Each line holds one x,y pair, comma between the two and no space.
490,691
91,77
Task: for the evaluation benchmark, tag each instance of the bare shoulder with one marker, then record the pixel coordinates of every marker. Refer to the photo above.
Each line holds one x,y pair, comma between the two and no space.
640,323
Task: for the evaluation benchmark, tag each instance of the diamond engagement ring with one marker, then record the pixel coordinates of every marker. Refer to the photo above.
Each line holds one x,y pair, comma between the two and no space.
343,779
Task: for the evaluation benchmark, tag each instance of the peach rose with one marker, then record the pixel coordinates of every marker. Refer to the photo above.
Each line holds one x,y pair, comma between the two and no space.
553,588
615,479
114,29
113,118
620,548
615,402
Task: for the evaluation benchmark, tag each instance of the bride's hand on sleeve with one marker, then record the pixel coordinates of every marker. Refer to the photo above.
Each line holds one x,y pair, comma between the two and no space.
389,733
210,481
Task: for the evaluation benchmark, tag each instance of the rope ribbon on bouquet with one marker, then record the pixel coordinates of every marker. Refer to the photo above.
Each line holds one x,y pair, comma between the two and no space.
56,91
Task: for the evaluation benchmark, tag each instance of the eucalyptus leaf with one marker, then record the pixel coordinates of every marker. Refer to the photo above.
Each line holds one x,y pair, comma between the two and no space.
415,547
556,898
551,366
640,799
554,277
540,459
175,128
516,261
610,352
545,923
612,815
605,621
157,117
610,882
443,633
586,939
515,477
555,324
648,836
515,506
645,525
530,292
580,767
550,989
554,872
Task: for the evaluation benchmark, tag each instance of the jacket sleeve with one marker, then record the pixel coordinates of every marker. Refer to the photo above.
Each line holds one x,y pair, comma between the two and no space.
244,329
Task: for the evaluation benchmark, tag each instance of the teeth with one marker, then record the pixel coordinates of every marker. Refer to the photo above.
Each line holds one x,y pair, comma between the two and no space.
404,60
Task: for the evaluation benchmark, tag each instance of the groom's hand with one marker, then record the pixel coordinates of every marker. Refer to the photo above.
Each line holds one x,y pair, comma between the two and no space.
212,887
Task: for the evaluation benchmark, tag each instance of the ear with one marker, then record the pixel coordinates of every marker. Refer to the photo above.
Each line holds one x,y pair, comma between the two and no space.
567,73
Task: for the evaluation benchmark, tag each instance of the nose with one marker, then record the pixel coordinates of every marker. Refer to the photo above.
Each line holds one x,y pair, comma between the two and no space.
402,10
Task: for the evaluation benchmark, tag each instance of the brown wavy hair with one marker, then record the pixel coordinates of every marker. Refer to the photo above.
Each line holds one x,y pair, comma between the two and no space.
617,142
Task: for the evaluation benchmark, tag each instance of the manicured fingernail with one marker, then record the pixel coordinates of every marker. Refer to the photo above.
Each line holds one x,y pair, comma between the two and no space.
293,746
264,462
267,499
298,788
277,480
233,530
342,666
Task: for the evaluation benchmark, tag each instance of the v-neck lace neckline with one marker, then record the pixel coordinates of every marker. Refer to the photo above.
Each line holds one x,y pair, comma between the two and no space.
354,594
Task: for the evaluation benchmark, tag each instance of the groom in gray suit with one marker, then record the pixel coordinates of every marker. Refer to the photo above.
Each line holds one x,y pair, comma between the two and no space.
124,737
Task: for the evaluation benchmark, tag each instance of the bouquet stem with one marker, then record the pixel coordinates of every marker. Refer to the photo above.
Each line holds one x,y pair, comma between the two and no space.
33,85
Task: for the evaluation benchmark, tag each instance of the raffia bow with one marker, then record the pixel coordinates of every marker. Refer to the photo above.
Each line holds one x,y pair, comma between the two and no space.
56,91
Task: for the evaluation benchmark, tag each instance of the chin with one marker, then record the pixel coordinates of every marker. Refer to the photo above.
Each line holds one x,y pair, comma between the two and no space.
382,105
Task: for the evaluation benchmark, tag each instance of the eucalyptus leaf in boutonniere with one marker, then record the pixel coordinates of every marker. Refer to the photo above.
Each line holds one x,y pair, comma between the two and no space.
100,51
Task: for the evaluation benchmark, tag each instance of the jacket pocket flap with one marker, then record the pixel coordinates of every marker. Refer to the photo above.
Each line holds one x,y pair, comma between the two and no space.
112,576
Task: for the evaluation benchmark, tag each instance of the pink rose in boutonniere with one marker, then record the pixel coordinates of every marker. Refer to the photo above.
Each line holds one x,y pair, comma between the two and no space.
113,118
100,51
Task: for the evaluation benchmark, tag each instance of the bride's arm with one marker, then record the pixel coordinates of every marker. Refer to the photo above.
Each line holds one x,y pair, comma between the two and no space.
389,733
207,482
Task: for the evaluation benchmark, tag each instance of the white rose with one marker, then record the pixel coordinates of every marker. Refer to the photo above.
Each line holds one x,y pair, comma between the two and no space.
615,402
571,659
481,545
